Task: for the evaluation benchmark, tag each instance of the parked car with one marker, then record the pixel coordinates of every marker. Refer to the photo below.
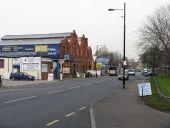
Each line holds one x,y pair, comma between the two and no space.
21,76
88,74
150,73
131,72
145,70
120,76
93,72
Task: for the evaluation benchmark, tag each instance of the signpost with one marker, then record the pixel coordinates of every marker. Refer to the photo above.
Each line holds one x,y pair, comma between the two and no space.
144,89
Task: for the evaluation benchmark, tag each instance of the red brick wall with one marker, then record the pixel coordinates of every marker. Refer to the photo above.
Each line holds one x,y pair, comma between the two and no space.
81,52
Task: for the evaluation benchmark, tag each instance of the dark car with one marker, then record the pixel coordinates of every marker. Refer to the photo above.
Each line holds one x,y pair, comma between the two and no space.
144,72
150,73
21,76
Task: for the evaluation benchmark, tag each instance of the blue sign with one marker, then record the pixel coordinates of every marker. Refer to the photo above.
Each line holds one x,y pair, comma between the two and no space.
17,48
53,51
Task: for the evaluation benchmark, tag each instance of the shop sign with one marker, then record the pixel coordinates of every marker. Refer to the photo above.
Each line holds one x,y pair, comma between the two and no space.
41,48
99,65
30,63
17,48
68,57
30,59
50,50
44,68
16,61
66,70
30,66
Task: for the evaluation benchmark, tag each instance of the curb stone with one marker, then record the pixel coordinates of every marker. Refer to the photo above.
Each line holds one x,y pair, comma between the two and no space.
92,115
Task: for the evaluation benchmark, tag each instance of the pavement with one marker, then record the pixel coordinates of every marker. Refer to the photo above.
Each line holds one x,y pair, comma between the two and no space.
123,108
6,83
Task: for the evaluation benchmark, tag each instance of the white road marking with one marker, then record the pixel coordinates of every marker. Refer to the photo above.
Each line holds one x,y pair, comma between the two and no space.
54,92
82,108
88,84
53,122
11,90
75,87
25,98
68,115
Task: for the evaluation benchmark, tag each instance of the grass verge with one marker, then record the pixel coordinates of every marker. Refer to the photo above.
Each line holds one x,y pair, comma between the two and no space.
154,101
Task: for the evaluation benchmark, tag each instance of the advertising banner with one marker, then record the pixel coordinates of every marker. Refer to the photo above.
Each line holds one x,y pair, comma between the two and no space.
49,50
30,63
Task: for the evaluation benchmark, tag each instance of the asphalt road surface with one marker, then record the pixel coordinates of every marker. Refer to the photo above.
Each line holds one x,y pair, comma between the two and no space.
64,104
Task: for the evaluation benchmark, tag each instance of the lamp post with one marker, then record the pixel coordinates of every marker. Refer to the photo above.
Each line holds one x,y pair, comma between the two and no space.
124,40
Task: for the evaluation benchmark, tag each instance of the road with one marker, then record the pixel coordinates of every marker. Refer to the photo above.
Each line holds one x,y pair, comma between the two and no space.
63,104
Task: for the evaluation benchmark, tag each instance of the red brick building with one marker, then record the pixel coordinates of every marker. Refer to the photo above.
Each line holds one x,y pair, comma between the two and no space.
59,54
77,55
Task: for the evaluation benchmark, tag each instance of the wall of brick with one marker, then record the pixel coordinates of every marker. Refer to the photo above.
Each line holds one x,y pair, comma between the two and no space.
77,48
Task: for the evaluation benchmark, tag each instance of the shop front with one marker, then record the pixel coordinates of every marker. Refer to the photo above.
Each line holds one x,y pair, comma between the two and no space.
37,60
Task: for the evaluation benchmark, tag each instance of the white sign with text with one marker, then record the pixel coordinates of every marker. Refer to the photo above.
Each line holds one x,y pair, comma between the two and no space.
144,88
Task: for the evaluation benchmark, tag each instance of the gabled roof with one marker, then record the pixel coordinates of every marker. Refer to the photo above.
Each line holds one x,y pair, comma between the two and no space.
36,36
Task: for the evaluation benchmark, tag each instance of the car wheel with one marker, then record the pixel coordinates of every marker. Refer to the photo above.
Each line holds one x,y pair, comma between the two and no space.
27,79
13,78
33,79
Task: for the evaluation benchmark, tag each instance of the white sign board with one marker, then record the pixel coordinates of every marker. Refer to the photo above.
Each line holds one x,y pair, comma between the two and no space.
66,70
16,61
30,63
44,68
145,88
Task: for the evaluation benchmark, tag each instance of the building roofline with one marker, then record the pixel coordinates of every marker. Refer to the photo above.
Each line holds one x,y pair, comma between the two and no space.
36,36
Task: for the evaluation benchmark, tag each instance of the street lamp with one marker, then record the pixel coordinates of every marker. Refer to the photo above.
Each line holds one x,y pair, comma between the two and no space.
124,39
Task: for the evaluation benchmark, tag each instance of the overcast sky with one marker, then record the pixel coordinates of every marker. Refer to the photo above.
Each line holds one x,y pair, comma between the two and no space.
89,17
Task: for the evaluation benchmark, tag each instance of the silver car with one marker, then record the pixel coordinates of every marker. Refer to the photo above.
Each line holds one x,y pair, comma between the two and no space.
120,76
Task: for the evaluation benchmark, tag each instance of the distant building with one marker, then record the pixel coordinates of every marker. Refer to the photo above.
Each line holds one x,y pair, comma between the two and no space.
131,63
44,54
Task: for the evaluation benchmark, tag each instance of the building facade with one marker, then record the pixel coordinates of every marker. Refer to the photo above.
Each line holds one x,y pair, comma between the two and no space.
44,54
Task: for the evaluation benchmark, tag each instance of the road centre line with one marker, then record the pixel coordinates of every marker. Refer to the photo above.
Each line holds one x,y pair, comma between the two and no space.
88,84
75,87
54,92
70,114
25,98
53,122
82,108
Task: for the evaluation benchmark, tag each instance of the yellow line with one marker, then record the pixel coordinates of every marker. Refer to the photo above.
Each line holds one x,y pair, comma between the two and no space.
70,114
82,108
51,123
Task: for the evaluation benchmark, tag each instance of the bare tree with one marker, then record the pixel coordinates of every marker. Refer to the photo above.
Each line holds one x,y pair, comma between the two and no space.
150,58
155,32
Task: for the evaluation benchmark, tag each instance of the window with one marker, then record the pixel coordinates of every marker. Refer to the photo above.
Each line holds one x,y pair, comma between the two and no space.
1,63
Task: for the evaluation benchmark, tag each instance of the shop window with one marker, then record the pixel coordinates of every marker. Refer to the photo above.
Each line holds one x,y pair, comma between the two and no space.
1,63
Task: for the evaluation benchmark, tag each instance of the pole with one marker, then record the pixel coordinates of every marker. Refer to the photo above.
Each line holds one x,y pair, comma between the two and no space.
124,39
96,60
61,70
